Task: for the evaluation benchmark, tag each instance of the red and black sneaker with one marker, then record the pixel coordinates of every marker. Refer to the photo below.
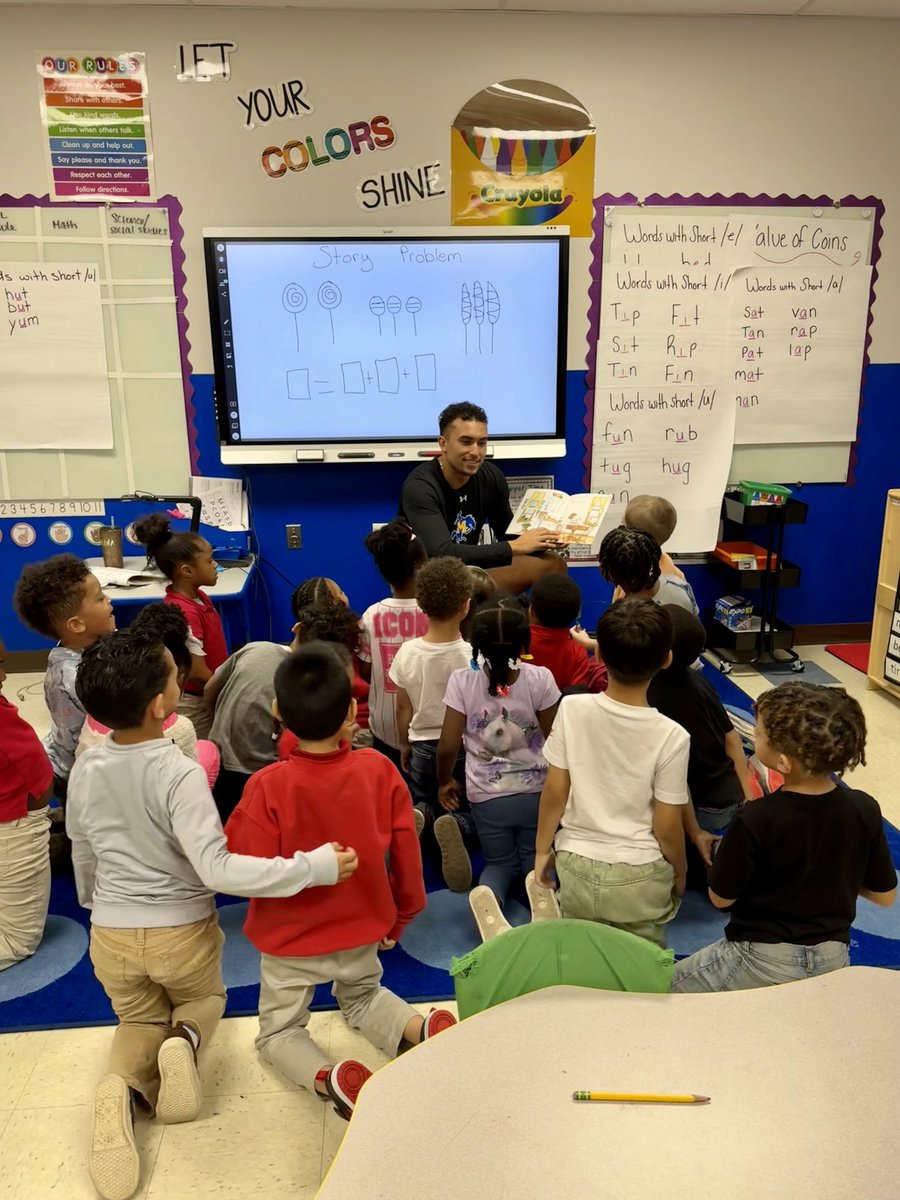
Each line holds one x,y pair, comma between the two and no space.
344,1082
437,1021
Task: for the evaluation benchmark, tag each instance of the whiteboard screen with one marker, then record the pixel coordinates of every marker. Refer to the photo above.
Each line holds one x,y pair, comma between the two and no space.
366,339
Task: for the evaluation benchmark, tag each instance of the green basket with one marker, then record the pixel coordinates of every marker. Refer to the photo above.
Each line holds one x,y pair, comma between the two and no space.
755,494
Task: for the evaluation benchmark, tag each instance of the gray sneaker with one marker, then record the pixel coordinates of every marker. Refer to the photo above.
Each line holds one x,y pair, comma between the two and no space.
455,862
544,901
486,911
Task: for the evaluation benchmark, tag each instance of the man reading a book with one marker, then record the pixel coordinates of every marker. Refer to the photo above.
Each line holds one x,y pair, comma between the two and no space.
451,498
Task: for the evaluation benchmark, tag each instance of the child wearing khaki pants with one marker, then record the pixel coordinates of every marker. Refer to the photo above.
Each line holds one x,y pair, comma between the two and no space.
149,851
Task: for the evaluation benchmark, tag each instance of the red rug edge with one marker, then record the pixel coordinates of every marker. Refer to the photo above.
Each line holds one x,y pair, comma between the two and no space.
854,654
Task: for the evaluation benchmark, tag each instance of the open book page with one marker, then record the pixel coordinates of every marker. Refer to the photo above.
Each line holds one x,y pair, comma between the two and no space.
577,519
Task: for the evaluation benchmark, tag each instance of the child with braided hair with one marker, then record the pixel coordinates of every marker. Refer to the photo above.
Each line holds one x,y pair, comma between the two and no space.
630,558
502,709
792,864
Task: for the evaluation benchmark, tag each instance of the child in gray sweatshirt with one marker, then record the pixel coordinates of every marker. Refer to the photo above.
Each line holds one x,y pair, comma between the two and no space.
149,852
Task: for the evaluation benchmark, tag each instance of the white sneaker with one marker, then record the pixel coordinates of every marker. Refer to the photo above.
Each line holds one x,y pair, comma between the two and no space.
544,901
486,911
114,1164
180,1092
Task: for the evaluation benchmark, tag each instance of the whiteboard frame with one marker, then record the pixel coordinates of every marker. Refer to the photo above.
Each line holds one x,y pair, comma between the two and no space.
368,451
790,463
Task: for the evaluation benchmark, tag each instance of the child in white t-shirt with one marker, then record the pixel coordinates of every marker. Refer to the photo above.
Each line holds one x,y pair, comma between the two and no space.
420,671
617,786
501,709
398,555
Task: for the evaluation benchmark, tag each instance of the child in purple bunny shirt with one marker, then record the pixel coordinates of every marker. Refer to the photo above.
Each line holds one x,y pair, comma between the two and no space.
501,709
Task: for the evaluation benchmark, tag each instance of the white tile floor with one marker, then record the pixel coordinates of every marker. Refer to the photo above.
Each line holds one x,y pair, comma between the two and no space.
257,1137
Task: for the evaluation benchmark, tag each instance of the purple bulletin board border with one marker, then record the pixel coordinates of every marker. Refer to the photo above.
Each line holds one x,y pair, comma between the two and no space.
174,210
741,200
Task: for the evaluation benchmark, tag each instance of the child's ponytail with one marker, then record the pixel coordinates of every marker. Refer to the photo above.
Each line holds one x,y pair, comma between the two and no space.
165,547
500,634
397,552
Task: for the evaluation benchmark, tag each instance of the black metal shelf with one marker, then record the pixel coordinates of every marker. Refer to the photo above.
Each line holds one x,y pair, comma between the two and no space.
774,639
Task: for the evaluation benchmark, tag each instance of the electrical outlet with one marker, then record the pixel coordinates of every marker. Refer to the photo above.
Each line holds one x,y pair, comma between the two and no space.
294,539
376,525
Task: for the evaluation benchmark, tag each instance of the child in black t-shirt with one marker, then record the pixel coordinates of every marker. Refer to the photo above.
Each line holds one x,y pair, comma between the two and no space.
718,779
793,863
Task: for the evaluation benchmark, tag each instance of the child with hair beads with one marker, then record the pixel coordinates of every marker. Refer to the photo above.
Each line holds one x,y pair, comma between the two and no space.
166,623
501,709
617,786
555,606
26,786
149,853
334,938
420,671
61,599
398,555
186,560
792,863
630,559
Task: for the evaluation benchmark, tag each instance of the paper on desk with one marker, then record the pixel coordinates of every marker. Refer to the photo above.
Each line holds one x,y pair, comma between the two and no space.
224,502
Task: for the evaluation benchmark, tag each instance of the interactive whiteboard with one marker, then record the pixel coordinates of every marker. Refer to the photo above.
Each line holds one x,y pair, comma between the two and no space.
335,341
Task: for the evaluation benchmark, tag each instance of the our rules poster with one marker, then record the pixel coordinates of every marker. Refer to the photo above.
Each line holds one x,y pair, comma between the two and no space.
95,109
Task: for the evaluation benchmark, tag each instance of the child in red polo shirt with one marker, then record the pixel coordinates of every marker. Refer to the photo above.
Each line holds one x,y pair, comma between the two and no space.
555,605
308,939
186,559
26,784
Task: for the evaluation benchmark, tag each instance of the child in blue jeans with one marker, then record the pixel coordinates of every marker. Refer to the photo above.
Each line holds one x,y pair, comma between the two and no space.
502,709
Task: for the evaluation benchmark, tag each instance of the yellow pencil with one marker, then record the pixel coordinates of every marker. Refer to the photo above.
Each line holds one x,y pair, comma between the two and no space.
638,1098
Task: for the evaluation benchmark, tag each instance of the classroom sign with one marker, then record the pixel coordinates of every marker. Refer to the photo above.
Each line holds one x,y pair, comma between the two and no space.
522,153
95,109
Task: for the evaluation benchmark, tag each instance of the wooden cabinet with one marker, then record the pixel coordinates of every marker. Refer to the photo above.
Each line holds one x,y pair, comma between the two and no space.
886,621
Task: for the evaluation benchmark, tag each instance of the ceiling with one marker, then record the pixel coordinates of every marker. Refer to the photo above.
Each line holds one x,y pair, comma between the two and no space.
669,8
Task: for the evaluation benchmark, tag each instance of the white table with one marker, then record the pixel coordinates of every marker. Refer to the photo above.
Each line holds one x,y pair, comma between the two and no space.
231,590
804,1080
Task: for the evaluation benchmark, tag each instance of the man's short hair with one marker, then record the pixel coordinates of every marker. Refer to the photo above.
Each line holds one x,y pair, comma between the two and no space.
556,600
654,514
463,411
443,585
634,637
313,690
50,592
119,676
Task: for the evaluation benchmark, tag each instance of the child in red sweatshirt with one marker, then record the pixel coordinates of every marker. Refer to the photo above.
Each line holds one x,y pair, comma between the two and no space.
555,606
362,800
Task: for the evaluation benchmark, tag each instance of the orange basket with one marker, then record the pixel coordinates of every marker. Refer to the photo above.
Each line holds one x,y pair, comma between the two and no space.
734,552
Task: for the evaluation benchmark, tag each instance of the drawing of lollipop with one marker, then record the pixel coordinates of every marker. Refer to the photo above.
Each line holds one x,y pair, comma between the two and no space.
330,297
377,308
394,305
493,309
478,308
294,299
465,312
413,306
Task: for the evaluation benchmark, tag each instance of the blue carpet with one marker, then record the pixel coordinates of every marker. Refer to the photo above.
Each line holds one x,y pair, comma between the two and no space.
56,987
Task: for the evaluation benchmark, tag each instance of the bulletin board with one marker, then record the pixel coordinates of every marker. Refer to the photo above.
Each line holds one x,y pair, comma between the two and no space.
756,375
136,253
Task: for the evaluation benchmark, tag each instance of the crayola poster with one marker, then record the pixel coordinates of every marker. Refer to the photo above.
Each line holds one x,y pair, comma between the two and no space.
522,153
